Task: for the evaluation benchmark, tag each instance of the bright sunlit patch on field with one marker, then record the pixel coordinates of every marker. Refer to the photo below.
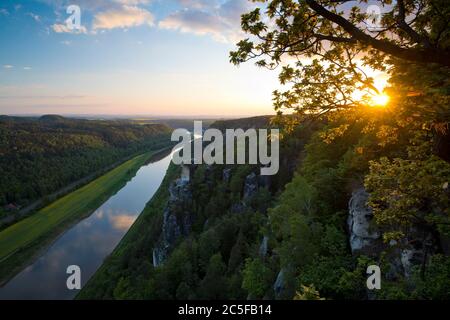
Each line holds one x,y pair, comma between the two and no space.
380,100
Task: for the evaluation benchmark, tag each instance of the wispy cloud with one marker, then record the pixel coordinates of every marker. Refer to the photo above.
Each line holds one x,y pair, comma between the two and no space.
46,97
199,4
124,17
63,28
8,66
221,21
4,12
106,15
36,17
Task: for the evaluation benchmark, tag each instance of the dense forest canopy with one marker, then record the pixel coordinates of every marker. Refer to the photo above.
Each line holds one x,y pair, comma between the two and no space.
41,155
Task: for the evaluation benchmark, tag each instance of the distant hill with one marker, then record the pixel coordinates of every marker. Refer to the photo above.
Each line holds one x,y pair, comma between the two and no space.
176,123
259,122
41,155
51,117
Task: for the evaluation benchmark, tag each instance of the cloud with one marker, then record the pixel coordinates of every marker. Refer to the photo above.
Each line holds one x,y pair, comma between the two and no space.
88,5
43,97
4,12
63,28
124,17
232,10
198,4
34,16
27,68
221,21
194,21
132,2
66,42
107,14
7,66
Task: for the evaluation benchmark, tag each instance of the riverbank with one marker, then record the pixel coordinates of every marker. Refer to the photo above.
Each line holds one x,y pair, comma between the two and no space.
25,240
142,234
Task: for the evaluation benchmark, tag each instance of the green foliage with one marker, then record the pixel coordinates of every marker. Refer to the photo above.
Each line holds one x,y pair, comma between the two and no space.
214,282
330,43
41,156
410,191
256,277
435,284
308,293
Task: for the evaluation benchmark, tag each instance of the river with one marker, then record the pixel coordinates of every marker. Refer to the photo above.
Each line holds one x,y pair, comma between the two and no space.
89,242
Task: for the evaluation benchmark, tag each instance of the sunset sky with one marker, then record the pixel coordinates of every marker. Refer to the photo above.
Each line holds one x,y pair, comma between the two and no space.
130,57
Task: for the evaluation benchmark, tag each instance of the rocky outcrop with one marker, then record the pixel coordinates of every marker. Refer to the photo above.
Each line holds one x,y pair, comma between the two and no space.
178,218
285,284
416,249
226,175
263,248
264,181
250,185
279,286
365,237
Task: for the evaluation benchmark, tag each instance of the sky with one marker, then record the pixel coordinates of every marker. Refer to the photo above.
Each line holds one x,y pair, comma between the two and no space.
128,57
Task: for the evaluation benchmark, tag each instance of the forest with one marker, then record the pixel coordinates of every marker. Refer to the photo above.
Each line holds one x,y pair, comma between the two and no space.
364,178
42,155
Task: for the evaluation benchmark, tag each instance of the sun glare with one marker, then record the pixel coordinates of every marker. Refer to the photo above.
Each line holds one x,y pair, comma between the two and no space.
380,100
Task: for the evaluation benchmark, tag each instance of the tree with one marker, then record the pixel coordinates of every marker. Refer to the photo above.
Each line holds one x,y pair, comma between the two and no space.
407,192
237,253
308,293
338,43
213,286
256,277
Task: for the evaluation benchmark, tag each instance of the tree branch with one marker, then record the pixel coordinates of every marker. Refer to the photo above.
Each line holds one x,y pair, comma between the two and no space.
405,27
428,55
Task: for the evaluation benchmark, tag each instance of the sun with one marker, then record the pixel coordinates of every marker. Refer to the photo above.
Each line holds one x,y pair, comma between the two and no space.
380,100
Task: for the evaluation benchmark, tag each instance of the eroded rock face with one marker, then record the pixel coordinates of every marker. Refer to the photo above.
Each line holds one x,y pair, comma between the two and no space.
365,237
226,175
279,286
178,219
263,248
264,181
417,248
250,186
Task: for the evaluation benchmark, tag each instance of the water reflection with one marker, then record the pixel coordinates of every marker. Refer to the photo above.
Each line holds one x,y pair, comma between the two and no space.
89,242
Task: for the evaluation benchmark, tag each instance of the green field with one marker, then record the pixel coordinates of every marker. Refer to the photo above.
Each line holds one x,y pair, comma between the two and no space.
23,240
